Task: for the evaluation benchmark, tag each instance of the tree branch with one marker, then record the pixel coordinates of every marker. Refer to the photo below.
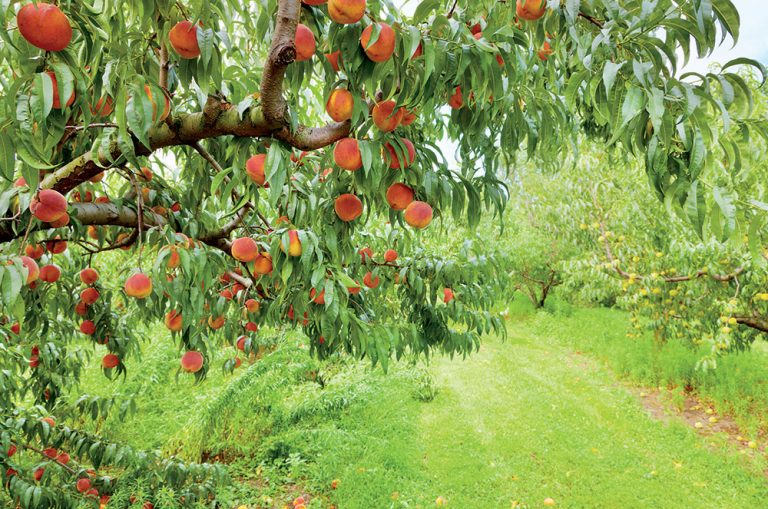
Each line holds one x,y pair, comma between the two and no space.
754,322
282,53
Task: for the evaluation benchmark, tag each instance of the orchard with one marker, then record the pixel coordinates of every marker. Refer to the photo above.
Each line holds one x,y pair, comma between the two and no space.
288,164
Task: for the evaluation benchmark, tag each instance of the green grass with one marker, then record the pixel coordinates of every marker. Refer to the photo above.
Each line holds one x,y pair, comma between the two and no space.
543,414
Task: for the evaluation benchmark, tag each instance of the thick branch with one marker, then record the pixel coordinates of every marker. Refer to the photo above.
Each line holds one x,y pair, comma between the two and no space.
754,322
282,53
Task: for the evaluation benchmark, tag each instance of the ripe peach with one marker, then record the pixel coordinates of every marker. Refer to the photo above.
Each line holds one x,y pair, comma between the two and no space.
240,344
354,290
252,327
370,281
20,182
81,308
103,108
334,58
399,196
346,154
409,118
365,253
382,49
294,243
387,116
63,458
447,295
227,294
305,43
48,205
419,51
56,246
89,296
391,155
34,251
244,249
530,10
390,255
418,214
173,321
456,101
123,237
183,38
156,117
192,362
348,207
238,362
252,305
33,271
44,25
545,51
346,12
16,328
56,99
48,420
93,232
50,273
340,105
38,474
317,298
138,286
263,264
254,167
83,485
89,276
110,361
61,222
174,259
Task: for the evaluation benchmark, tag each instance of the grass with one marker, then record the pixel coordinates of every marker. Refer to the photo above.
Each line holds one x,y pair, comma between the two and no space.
543,414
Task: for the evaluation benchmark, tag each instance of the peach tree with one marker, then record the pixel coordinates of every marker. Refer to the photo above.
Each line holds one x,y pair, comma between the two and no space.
273,163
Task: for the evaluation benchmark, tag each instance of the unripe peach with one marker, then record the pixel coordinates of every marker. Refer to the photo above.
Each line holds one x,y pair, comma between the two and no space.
50,273
399,196
346,154
382,49
263,264
391,155
173,321
138,286
34,251
348,207
346,12
305,43
418,214
370,281
456,101
387,116
390,255
56,99
110,361
89,276
48,205
244,249
530,10
340,105
33,271
192,362
254,167
183,38
44,25
89,296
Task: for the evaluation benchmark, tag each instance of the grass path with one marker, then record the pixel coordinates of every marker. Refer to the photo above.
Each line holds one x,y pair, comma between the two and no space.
530,419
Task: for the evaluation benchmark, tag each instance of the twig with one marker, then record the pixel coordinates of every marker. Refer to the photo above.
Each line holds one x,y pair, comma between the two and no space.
592,20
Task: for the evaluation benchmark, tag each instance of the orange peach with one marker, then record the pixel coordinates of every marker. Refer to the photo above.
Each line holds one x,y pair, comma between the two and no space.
294,243
192,362
89,276
173,321
89,296
545,51
390,255
409,118
391,155
305,43
34,251
346,12
254,167
103,108
183,38
33,271
418,214
346,154
399,196
334,59
44,25
244,249
387,116
48,205
61,222
380,50
370,281
317,298
216,323
340,105
138,286
156,116
348,207
110,361
56,99
456,101
313,2
252,305
88,327
365,254
263,264
50,273
56,246
530,10
447,295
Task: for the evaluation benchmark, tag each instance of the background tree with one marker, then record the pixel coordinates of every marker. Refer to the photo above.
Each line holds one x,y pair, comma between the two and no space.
193,135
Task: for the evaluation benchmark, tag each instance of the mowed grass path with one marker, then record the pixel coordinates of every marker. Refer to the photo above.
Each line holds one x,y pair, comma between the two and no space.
529,419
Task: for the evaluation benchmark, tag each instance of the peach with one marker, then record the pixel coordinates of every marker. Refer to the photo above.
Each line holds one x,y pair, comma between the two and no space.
348,207
83,485
238,362
252,305
93,232
81,308
192,362
294,243
56,246
545,51
340,105
50,273
418,214
34,251
138,286
346,154
48,205
44,26
346,12
88,327
146,173
305,43
227,294
103,108
216,323
166,107
56,99
354,290
38,474
530,10
89,296
419,51
390,255
173,321
183,38
252,327
244,249
20,182
447,295
317,298
33,271
61,222
16,328
391,155
382,49
334,59
387,116
456,101
365,253
263,264
254,167
89,276
370,281
409,118
240,344
174,259
110,361
399,196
